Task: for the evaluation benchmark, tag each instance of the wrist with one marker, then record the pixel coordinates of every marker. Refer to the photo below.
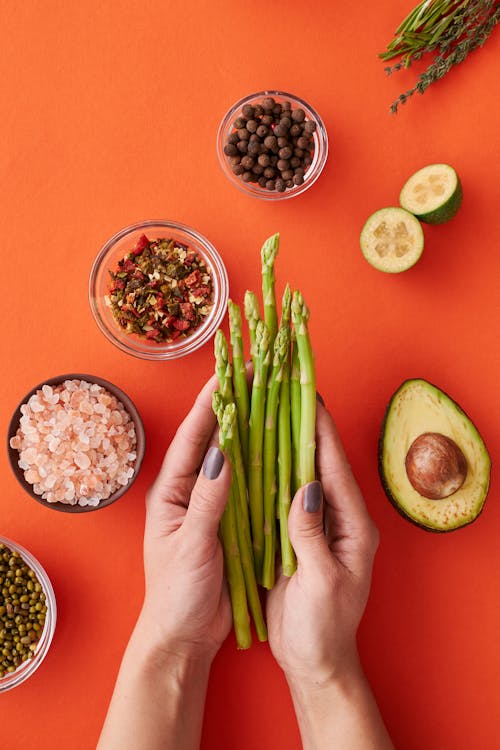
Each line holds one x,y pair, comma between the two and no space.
345,669
154,652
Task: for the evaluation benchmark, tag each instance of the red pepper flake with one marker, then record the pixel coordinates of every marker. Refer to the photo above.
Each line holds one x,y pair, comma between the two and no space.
161,290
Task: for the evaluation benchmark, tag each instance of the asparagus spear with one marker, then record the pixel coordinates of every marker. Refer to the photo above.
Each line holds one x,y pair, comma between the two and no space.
257,414
268,255
288,560
300,315
240,386
295,414
252,314
234,570
220,400
281,352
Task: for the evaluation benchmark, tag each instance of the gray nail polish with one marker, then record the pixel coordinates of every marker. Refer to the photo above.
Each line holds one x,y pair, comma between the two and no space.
213,463
320,398
312,497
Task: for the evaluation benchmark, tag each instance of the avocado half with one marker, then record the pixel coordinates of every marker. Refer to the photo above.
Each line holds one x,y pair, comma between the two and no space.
417,408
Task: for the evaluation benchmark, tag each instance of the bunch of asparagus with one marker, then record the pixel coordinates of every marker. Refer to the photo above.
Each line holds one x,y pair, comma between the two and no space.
267,432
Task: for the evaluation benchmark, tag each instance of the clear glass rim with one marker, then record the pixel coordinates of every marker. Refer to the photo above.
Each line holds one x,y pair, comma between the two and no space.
254,189
203,333
27,668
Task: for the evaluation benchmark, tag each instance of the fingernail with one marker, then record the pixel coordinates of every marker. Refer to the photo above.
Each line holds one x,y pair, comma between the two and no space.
320,398
312,497
213,463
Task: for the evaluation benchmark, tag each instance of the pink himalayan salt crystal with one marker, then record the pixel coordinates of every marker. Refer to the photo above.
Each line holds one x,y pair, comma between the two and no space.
76,443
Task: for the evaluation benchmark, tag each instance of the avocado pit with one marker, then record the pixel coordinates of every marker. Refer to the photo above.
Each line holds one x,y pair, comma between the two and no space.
435,466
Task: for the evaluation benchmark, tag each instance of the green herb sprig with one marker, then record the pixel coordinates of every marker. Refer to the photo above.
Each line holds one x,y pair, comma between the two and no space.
450,29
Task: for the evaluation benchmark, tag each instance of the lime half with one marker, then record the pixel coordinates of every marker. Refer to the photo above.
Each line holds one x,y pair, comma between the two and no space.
433,194
392,240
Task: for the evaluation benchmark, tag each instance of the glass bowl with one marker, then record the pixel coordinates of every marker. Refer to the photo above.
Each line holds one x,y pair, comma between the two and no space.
26,669
121,244
320,146
140,448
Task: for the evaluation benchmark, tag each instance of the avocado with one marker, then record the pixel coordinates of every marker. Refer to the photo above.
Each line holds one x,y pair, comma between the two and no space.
433,463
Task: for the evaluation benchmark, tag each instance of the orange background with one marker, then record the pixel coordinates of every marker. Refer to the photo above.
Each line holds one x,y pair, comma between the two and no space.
109,116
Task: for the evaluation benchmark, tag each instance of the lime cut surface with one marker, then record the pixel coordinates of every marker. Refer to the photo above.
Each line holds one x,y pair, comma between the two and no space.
433,194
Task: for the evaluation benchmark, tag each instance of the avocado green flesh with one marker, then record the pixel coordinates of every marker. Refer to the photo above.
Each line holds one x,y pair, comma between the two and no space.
419,407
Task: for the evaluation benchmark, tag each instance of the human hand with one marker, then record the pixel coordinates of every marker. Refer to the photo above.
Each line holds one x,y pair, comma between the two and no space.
187,610
313,616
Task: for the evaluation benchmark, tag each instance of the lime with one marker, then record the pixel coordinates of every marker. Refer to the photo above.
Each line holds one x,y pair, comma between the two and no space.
433,194
392,240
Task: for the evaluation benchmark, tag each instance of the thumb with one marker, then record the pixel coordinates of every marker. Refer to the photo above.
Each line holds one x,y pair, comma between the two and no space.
305,525
209,495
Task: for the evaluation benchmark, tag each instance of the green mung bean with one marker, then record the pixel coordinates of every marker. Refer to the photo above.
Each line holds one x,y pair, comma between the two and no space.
23,610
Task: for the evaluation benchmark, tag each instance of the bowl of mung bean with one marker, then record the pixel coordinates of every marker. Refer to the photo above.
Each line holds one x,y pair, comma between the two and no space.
272,145
27,614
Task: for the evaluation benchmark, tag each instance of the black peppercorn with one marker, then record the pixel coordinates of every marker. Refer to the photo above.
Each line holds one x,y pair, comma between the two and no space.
285,153
248,111
271,143
247,162
298,115
252,126
254,148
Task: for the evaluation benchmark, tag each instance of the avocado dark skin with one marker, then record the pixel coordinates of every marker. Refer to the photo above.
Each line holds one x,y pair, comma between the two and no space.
417,399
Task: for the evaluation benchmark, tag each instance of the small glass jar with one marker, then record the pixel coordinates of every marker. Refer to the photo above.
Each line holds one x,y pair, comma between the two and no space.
117,248
313,170
26,669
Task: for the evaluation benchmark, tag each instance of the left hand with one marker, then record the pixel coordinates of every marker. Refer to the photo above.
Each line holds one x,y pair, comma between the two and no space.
186,610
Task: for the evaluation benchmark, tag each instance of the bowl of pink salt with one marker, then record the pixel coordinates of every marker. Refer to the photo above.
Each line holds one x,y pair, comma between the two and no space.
76,443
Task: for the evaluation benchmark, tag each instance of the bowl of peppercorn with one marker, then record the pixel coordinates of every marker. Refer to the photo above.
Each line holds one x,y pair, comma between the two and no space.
27,614
272,145
158,290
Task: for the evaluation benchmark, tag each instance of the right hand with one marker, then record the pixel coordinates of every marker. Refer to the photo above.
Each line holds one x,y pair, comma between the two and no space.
314,615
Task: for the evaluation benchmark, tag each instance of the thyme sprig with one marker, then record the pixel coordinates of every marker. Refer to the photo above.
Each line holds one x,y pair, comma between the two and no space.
450,29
